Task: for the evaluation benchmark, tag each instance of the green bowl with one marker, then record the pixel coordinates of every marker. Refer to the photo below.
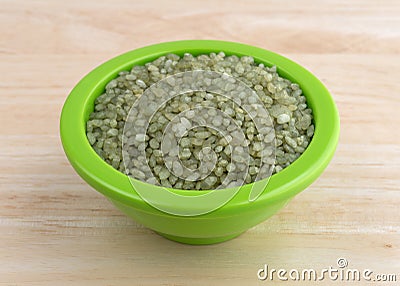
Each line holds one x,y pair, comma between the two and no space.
237,215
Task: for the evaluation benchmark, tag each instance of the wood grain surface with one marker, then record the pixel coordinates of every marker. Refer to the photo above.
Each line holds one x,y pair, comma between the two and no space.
56,230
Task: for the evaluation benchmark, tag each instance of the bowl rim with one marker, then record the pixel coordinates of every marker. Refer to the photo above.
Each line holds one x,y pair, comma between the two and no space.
116,185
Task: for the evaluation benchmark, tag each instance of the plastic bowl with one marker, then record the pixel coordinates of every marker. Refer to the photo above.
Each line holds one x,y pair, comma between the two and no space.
236,216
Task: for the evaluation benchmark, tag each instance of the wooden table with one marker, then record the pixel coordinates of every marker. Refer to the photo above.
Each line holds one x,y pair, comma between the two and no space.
56,230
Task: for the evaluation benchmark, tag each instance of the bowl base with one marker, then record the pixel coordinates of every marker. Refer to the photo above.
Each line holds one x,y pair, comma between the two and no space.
199,241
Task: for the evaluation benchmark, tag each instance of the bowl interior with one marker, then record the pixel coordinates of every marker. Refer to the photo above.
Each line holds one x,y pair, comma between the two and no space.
116,185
